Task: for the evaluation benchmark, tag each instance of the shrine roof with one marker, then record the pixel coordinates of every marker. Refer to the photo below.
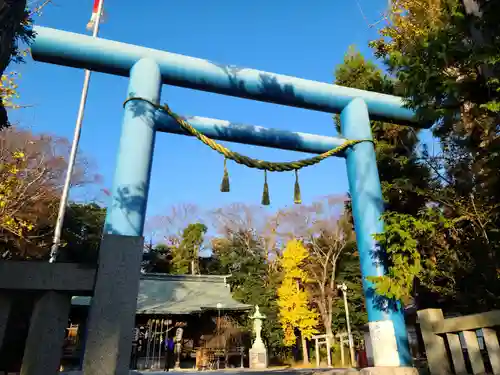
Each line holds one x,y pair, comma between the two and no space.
181,295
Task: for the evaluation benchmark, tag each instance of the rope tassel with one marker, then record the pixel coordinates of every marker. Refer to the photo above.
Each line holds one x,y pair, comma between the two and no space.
265,194
296,191
224,186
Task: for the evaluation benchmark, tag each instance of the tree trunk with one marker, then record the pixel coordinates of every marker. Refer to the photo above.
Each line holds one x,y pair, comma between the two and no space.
329,333
11,17
305,354
325,306
473,9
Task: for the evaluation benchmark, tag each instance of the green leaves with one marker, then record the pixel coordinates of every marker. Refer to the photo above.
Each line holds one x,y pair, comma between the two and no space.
442,207
401,174
401,242
187,253
82,232
493,106
253,279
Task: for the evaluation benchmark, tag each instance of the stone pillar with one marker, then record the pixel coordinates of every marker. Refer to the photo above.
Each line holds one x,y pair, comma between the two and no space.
42,354
385,317
5,306
112,312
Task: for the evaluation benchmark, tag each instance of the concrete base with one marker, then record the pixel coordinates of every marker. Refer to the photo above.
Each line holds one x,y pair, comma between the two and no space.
389,371
112,311
42,355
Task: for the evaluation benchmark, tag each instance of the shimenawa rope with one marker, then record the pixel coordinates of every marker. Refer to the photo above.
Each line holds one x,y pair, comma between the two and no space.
248,161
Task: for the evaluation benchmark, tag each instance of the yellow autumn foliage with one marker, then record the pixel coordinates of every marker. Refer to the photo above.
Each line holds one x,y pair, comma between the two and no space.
8,90
293,301
410,22
10,172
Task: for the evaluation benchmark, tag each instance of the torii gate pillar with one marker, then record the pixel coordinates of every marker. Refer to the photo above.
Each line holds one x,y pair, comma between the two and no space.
113,308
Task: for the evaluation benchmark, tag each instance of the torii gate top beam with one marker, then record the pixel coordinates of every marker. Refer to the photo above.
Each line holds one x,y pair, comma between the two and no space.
106,56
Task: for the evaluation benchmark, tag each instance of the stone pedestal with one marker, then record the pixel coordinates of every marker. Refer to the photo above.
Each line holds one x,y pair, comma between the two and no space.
258,356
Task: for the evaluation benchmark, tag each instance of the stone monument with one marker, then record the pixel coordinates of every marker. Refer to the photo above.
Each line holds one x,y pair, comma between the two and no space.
258,352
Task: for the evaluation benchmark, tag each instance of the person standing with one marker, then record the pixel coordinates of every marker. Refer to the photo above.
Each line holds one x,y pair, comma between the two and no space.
169,352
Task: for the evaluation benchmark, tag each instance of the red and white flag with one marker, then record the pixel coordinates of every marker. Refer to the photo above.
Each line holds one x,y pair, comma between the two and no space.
93,18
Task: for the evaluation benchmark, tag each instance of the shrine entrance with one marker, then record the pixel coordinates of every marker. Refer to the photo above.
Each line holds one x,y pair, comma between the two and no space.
116,285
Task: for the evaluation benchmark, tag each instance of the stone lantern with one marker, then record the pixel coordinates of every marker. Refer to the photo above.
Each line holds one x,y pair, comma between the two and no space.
258,352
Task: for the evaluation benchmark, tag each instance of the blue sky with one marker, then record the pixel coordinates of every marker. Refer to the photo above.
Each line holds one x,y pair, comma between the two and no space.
306,39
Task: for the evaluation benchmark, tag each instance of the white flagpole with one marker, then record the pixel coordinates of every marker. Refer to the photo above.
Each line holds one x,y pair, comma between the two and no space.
74,149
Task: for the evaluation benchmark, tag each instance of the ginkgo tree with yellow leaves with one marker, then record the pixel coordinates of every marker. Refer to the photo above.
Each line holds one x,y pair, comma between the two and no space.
295,310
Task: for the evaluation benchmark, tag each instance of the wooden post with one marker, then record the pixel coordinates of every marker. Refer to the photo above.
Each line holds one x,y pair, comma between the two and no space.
476,359
491,342
317,352
328,352
342,359
457,354
435,349
305,353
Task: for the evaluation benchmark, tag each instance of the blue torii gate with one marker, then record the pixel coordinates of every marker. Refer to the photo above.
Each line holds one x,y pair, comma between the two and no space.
113,305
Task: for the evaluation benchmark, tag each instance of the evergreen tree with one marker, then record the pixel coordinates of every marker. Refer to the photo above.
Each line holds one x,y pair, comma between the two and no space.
402,174
185,257
445,62
157,259
253,280
82,232
350,274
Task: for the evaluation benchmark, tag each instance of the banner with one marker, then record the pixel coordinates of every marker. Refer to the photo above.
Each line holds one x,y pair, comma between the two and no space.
93,18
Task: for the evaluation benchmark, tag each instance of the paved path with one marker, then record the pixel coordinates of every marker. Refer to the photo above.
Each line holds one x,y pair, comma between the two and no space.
322,371
326,371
